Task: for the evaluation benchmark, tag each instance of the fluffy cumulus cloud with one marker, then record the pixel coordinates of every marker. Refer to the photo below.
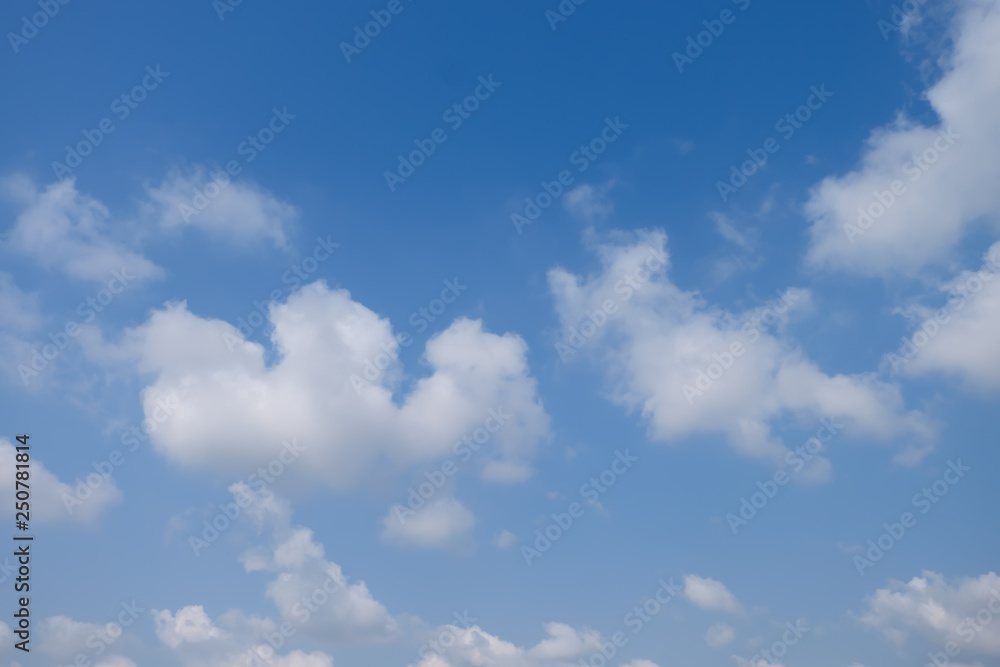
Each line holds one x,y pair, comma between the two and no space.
190,624
310,591
710,594
82,500
964,612
959,339
62,636
234,638
212,201
315,601
236,408
453,646
694,368
63,229
68,641
444,523
919,188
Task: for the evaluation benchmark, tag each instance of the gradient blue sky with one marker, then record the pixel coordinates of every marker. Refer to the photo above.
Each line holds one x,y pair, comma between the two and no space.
900,78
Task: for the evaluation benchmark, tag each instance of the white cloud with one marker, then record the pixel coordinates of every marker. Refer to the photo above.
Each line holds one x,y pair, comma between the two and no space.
565,643
116,661
238,211
746,239
300,659
710,594
240,639
62,229
235,408
190,624
965,335
746,258
474,647
719,635
63,639
342,612
758,662
19,311
20,316
444,523
52,499
661,343
940,203
315,601
940,612
590,203
61,636
504,539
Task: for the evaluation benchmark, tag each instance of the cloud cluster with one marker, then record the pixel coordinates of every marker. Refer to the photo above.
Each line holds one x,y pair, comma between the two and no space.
235,211
965,611
309,591
946,174
63,229
694,368
52,499
473,647
235,408
960,339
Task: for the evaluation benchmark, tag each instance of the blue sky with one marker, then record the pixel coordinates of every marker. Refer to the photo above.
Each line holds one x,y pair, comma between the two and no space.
513,335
